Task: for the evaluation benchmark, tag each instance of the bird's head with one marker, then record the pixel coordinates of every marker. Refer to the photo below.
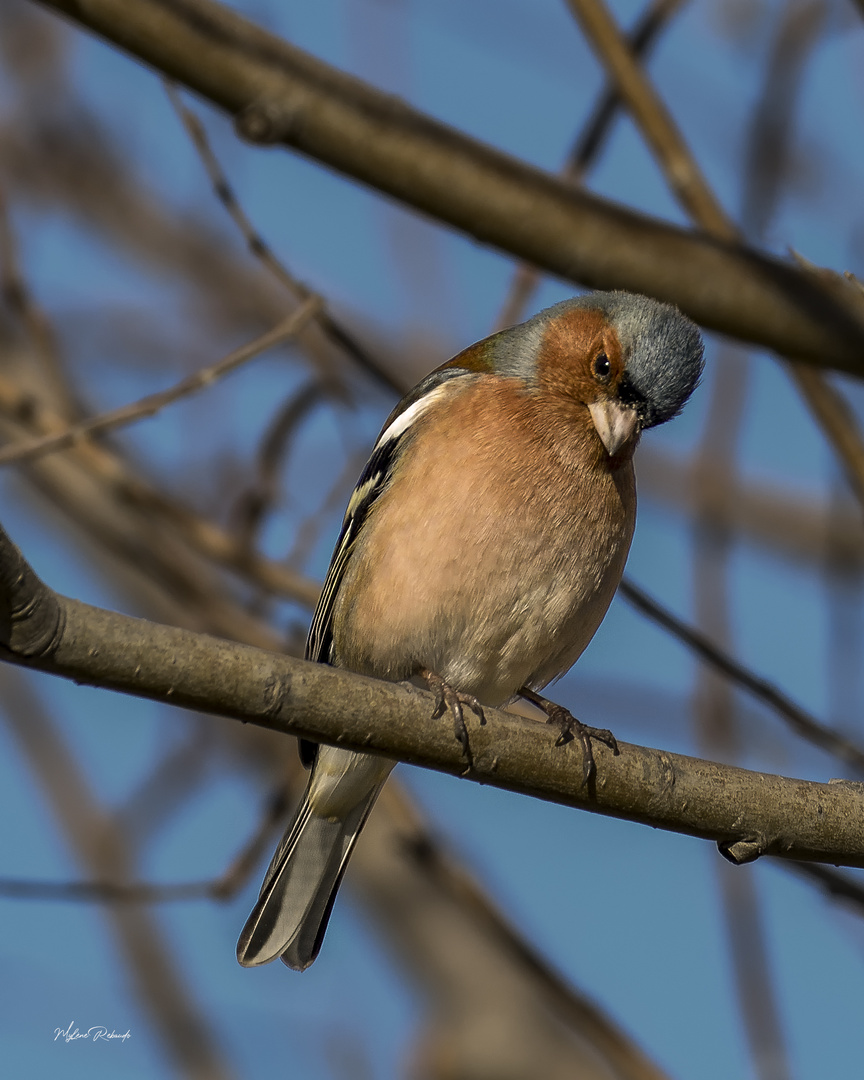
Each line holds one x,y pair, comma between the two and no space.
632,361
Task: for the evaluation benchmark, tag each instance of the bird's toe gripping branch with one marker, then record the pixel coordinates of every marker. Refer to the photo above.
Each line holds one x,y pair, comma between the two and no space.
570,728
449,700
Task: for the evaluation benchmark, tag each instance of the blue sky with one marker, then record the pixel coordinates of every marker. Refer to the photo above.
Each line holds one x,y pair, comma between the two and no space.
514,74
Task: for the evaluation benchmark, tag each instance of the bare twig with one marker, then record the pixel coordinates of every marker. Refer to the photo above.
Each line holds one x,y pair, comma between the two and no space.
262,250
223,888
119,481
153,403
225,194
837,885
802,722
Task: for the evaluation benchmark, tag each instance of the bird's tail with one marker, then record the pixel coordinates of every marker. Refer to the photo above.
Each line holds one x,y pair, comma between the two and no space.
297,896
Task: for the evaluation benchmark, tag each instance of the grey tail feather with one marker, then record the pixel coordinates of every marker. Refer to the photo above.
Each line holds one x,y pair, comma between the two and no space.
297,896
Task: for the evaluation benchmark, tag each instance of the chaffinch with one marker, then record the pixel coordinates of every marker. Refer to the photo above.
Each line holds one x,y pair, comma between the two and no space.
480,550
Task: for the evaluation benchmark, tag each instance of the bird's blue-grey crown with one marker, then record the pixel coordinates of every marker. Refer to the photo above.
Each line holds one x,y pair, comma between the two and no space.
662,349
663,353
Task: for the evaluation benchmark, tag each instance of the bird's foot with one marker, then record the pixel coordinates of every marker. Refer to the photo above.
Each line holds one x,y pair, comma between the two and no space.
449,700
570,728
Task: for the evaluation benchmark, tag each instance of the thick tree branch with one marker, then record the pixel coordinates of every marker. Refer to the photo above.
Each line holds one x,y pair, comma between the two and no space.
279,94
748,814
722,502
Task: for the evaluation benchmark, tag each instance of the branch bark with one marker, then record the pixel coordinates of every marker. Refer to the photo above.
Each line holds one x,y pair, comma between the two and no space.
279,94
748,814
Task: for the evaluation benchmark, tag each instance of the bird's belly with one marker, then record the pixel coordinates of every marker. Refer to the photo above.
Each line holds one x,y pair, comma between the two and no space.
534,640
525,618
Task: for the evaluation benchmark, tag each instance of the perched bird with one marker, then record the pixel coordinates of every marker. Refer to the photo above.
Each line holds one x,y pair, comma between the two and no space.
479,552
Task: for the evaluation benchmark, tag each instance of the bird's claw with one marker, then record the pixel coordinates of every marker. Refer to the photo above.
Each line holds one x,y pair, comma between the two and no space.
570,728
449,700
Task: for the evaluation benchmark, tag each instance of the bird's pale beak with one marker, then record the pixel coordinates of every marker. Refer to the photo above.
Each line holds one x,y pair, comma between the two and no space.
616,424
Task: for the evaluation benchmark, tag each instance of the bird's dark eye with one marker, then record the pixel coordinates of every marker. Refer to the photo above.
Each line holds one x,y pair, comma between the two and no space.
601,367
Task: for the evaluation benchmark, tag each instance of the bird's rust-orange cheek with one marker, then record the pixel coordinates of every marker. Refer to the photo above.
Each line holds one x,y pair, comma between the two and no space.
568,351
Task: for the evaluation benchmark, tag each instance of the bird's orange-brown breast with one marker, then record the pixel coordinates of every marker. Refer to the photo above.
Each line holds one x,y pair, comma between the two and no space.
499,545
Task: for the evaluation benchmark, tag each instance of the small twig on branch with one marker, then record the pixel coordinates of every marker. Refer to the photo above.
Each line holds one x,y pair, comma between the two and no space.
840,887
224,192
153,403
